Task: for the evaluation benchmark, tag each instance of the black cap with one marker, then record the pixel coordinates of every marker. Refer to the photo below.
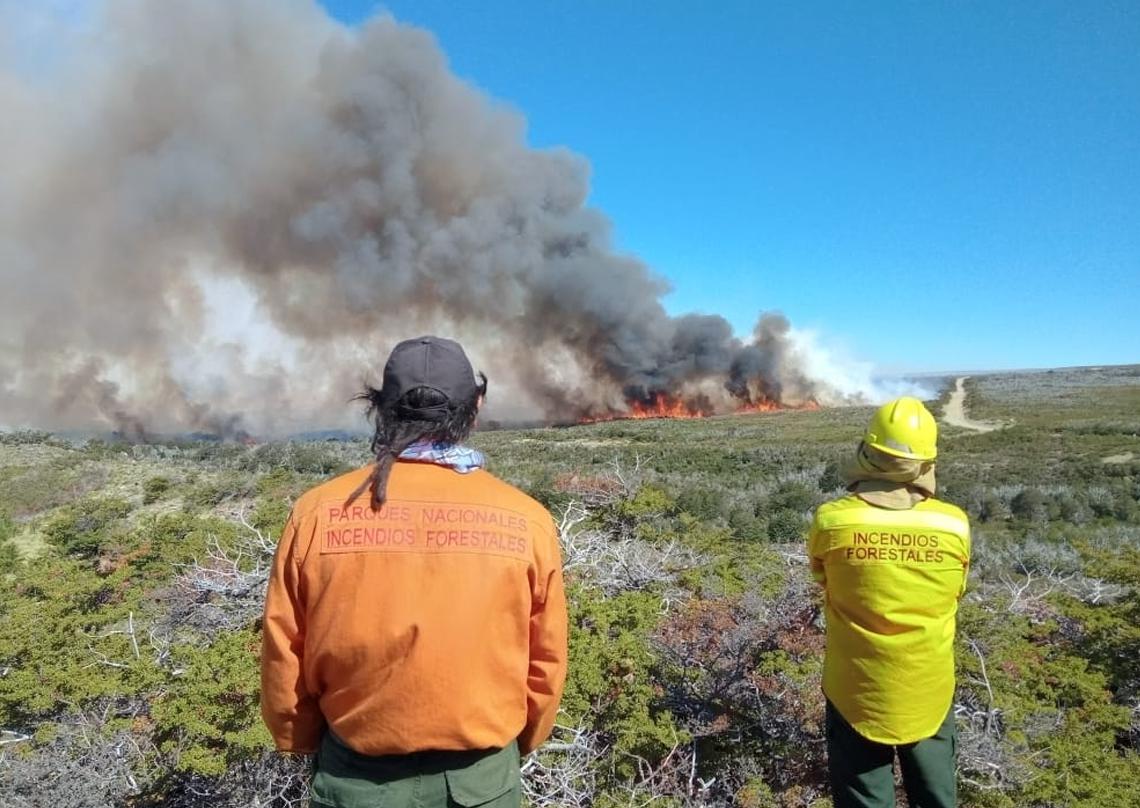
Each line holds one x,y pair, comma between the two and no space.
432,362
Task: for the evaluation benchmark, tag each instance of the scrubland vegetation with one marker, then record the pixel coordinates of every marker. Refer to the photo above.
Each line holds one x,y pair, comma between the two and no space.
133,578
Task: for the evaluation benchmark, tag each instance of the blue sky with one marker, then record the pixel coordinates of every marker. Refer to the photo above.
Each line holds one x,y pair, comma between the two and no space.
934,186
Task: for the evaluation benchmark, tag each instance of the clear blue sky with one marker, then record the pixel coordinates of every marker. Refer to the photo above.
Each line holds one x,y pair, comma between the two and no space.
934,185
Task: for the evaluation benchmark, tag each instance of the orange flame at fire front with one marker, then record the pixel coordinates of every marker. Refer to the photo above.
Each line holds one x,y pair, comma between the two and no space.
662,405
768,405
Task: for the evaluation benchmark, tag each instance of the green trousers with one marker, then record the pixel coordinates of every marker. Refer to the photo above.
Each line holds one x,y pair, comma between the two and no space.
343,778
862,771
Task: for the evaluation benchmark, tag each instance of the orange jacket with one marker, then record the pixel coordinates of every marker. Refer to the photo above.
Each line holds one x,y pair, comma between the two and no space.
437,622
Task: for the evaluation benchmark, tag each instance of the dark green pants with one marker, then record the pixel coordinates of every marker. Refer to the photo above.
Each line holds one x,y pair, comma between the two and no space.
862,771
345,779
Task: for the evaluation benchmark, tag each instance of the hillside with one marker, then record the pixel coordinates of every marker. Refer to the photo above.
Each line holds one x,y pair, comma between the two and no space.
134,577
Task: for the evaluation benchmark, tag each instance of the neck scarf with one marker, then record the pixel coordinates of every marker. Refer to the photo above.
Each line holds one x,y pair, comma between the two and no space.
888,481
452,455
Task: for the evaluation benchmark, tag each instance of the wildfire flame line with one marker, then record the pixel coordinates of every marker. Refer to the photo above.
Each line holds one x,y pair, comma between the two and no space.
663,405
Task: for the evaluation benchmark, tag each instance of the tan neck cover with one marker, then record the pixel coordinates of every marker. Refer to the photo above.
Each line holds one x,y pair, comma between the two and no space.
887,481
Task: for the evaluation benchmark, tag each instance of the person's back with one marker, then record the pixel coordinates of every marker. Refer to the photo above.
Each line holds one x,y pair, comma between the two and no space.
415,622
893,582
429,596
892,560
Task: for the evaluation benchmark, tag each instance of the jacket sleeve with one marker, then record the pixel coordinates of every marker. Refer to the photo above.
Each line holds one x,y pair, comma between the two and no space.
290,712
967,546
815,555
546,674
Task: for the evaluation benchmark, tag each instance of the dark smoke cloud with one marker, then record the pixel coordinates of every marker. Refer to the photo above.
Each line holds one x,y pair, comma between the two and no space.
357,189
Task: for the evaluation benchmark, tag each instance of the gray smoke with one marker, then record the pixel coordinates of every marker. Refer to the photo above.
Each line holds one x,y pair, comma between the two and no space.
352,188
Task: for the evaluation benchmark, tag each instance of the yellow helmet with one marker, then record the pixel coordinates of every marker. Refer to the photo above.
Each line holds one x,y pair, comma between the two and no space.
904,428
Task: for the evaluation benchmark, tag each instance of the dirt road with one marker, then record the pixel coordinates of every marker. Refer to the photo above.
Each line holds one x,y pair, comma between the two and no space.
955,411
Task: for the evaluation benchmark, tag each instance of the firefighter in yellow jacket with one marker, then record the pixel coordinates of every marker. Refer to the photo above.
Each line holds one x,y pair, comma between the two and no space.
892,560
415,622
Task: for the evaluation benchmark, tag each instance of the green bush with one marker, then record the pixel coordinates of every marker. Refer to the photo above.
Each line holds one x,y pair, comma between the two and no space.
215,490
1058,744
992,508
8,555
161,543
746,525
269,515
787,526
794,496
7,527
208,717
703,503
282,484
84,528
544,488
303,458
25,491
64,640
155,488
9,558
1029,504
27,437
831,477
610,684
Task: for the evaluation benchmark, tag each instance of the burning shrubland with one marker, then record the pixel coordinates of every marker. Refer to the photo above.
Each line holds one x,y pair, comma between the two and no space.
219,216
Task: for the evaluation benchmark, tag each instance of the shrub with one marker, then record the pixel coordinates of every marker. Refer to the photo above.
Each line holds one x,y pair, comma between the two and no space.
992,508
794,496
1054,736
7,527
610,686
269,515
787,526
216,490
64,640
746,525
28,437
1029,504
303,458
83,528
703,503
9,558
155,488
30,490
545,489
208,718
832,476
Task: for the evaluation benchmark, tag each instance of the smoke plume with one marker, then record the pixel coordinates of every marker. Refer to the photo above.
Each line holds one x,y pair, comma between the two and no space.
220,215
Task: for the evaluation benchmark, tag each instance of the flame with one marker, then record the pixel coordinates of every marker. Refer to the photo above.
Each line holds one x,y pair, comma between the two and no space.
663,405
769,405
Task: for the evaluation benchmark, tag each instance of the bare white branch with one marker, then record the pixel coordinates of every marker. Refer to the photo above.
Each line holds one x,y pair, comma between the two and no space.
226,589
621,563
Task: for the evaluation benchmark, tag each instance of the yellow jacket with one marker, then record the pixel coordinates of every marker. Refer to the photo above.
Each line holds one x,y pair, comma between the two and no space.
436,623
892,580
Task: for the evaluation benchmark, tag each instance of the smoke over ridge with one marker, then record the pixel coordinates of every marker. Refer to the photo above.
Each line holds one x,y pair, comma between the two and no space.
191,159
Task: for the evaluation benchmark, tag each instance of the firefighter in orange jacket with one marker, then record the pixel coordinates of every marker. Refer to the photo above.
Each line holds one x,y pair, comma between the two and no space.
892,560
415,622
